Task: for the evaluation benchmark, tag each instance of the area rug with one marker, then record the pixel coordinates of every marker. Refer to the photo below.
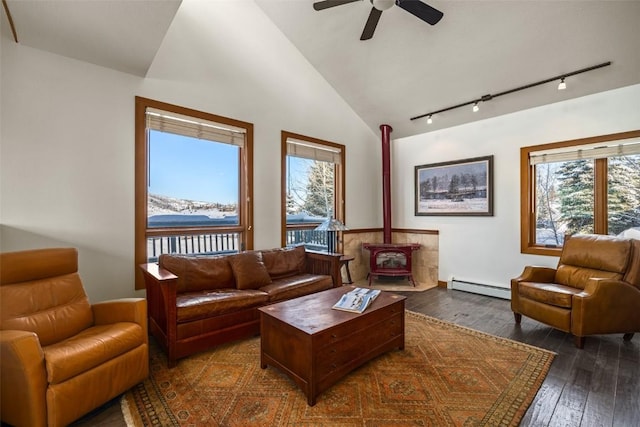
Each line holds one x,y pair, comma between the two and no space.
447,375
400,285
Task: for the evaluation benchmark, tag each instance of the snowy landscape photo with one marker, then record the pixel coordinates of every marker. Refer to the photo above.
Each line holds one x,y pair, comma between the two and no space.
461,187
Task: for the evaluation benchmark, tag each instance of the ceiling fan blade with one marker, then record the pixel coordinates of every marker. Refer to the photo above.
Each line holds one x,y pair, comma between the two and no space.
326,4
371,24
423,11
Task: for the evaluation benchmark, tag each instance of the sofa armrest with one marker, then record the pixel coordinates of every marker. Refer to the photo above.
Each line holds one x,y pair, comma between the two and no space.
121,310
530,274
536,274
24,379
325,263
605,306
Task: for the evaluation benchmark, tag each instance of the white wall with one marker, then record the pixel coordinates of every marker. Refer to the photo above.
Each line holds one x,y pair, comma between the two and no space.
67,134
487,249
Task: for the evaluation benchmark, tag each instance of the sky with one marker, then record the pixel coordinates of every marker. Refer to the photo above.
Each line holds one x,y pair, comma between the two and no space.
201,170
193,169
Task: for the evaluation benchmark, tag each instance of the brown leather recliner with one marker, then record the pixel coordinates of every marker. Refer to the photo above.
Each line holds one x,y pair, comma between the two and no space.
60,356
594,290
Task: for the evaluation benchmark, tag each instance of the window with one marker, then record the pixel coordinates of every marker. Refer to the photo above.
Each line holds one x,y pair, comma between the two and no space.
193,175
312,188
589,185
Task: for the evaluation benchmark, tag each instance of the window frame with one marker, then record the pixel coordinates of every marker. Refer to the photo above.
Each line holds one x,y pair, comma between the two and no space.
528,191
338,182
245,201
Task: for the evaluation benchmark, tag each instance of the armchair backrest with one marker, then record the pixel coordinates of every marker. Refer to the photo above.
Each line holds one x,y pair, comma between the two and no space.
41,292
586,256
633,272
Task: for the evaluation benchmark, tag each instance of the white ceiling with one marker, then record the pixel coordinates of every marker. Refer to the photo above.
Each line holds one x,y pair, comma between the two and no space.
407,69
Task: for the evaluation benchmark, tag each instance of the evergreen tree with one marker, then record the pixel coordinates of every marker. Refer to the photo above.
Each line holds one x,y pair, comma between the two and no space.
623,194
575,190
454,184
319,199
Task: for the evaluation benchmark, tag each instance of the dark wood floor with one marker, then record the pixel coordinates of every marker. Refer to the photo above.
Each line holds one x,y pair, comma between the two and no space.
596,386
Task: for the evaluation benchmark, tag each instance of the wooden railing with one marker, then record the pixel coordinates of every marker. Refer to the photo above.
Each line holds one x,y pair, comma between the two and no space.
192,244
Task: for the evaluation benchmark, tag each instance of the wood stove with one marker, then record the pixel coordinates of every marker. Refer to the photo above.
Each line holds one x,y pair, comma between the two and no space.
389,259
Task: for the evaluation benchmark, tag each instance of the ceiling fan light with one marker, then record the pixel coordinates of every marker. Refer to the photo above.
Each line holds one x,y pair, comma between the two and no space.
475,107
382,4
562,85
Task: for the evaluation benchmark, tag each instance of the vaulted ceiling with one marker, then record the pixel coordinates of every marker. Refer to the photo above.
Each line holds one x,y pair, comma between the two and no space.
409,68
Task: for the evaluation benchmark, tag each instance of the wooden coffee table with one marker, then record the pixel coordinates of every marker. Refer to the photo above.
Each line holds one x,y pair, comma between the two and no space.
316,345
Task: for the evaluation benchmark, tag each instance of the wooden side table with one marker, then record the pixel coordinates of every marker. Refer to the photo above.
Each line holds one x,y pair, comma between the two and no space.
344,260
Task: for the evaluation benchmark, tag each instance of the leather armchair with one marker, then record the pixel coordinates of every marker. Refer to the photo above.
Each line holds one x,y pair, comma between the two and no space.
62,357
595,288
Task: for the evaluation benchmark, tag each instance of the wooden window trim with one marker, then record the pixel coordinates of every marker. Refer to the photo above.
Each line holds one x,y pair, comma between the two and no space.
339,177
245,201
528,194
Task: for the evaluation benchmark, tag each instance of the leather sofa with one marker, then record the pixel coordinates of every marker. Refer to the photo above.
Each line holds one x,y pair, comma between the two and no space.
595,288
62,357
196,302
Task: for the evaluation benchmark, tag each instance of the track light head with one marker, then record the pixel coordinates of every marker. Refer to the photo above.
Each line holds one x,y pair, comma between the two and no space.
429,120
562,85
475,107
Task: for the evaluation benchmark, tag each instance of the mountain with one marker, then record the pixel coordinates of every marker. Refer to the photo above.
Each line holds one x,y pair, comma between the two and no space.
164,205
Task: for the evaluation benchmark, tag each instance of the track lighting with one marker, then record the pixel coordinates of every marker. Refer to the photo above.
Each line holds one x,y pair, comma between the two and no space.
489,97
562,85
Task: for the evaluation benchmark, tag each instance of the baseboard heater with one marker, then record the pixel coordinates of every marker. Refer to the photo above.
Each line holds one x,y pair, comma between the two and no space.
480,288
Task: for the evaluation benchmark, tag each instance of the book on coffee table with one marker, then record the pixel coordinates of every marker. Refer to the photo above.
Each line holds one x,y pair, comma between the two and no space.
356,300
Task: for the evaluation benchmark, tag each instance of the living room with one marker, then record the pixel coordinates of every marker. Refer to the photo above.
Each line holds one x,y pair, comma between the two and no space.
67,127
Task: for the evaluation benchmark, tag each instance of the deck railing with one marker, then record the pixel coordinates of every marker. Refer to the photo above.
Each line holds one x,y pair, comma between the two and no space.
227,242
193,244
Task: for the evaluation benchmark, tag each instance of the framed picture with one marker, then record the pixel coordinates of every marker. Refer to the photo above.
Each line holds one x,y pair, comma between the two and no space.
461,187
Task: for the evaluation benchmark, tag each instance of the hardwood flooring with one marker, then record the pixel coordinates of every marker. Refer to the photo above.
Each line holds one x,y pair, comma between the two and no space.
596,386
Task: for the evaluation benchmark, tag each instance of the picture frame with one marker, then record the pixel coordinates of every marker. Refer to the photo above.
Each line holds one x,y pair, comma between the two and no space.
455,188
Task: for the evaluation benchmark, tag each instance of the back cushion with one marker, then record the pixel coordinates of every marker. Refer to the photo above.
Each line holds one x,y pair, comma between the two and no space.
285,262
598,252
633,273
55,308
199,273
590,255
577,277
249,270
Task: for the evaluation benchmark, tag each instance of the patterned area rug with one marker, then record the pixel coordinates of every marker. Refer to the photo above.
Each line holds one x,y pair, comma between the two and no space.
447,375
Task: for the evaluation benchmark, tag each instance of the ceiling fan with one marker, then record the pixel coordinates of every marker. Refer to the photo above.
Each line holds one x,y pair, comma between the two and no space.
417,8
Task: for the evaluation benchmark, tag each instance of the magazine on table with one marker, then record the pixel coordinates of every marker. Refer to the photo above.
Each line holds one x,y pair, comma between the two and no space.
357,300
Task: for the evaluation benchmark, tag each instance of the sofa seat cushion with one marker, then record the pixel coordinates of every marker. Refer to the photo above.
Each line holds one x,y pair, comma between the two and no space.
90,348
548,293
297,286
199,305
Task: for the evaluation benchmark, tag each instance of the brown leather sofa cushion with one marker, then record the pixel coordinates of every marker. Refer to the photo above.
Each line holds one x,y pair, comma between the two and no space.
90,348
597,252
249,270
55,308
199,273
578,277
296,286
633,273
200,305
547,293
284,262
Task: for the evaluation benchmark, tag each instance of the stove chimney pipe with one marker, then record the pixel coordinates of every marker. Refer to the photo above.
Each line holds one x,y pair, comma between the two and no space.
386,182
